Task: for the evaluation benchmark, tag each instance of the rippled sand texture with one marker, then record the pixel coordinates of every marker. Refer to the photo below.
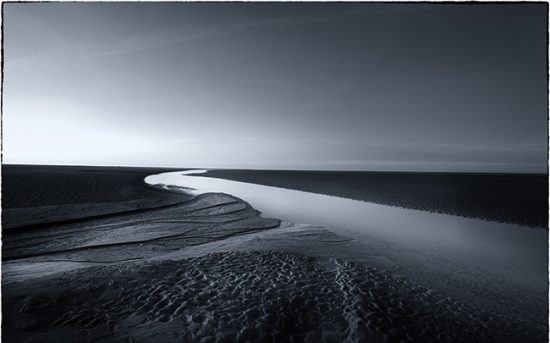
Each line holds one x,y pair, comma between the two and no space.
253,296
36,195
148,233
212,270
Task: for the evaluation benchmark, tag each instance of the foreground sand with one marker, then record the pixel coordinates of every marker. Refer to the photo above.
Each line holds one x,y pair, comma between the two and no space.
212,269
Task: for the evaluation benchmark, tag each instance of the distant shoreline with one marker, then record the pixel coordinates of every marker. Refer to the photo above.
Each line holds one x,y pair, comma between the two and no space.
507,198
169,168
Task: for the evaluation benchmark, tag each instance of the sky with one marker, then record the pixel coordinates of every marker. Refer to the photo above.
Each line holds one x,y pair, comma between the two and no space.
329,86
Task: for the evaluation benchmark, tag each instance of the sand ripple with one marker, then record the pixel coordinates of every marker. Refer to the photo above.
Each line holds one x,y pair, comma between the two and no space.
128,278
253,296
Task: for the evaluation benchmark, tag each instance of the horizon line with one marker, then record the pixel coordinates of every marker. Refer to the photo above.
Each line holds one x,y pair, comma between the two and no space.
282,169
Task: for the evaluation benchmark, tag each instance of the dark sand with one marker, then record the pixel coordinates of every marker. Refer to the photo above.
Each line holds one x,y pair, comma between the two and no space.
210,269
239,297
35,195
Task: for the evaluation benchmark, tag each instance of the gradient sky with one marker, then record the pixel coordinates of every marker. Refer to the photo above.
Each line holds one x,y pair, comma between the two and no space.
348,86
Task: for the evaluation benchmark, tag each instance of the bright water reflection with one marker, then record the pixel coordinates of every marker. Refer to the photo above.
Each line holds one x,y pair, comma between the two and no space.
408,237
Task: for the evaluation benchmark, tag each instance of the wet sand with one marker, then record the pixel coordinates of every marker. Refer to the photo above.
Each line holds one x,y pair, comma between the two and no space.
211,268
37,195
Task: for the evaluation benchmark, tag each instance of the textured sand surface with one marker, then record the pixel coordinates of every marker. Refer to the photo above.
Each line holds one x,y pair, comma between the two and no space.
436,250
252,296
36,195
212,269
204,218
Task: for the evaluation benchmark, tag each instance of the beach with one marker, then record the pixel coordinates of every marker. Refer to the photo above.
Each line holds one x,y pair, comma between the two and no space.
180,257
278,172
34,194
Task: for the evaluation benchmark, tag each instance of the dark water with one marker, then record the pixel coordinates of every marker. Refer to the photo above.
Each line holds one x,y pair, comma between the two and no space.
511,198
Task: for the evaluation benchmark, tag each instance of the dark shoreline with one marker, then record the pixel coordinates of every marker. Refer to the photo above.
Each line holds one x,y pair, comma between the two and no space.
44,185
35,196
508,198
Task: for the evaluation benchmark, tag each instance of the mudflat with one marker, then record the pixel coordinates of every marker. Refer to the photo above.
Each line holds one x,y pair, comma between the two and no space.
210,267
38,195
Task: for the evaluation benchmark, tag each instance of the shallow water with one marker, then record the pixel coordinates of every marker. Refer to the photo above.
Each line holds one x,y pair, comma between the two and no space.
506,198
412,239
212,269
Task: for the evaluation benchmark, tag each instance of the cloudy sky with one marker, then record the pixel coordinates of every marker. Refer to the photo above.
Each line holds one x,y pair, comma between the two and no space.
349,86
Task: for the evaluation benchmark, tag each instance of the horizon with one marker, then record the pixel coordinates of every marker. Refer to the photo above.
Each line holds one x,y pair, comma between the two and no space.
275,169
374,87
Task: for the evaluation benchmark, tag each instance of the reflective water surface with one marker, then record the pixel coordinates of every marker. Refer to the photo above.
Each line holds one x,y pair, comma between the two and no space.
415,240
